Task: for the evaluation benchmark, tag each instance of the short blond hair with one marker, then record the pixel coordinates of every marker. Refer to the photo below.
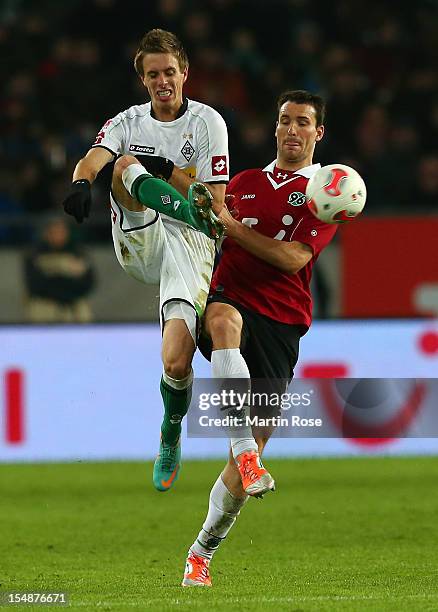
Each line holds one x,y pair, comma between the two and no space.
160,41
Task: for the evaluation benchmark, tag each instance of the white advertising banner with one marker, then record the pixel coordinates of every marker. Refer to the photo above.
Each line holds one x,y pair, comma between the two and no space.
92,392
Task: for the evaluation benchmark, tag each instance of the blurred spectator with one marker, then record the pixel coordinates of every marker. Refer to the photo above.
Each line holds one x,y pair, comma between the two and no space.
372,149
425,192
346,100
35,188
403,154
215,82
169,14
58,278
197,30
303,63
245,55
256,138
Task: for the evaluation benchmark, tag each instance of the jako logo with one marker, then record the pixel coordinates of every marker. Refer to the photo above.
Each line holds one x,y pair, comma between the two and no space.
13,406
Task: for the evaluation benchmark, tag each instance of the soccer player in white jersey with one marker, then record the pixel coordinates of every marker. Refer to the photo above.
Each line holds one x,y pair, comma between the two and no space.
154,224
154,242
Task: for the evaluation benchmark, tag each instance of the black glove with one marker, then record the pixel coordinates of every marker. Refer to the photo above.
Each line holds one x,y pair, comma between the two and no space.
78,201
160,167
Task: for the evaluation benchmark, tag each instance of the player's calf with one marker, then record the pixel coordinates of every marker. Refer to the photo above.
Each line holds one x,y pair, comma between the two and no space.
223,510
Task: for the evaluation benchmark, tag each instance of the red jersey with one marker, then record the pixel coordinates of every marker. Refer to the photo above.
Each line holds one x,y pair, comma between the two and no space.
272,201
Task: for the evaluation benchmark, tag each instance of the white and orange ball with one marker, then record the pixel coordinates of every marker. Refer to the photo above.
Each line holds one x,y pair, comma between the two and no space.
336,193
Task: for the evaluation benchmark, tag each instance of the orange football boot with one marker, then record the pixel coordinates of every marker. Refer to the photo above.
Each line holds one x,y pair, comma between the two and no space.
196,573
256,481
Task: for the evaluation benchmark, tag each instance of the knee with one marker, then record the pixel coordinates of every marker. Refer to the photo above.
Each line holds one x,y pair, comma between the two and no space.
122,163
177,367
225,328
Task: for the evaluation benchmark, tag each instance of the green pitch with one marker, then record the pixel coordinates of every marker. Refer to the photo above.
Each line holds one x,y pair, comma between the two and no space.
339,534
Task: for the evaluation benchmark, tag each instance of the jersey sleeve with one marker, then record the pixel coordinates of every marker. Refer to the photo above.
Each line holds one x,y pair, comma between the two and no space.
212,165
111,136
315,233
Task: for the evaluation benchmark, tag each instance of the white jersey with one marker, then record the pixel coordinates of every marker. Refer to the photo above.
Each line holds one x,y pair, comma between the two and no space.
196,141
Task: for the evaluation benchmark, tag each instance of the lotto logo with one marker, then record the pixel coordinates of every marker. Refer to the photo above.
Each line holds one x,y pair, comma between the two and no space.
142,149
219,165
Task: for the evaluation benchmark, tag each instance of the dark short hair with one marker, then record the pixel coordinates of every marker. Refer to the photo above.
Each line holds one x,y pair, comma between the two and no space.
301,96
160,41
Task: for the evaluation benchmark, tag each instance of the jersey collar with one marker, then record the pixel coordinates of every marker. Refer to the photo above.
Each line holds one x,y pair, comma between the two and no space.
307,171
182,110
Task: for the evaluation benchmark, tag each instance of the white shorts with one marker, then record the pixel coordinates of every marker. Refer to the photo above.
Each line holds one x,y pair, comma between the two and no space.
154,248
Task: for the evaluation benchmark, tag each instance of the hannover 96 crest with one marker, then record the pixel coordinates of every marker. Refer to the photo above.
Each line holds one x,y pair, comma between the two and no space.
296,198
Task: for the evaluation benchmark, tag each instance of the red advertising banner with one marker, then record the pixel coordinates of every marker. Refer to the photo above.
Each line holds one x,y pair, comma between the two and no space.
389,267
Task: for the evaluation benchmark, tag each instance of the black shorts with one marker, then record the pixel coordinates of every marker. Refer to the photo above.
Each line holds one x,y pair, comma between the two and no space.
270,348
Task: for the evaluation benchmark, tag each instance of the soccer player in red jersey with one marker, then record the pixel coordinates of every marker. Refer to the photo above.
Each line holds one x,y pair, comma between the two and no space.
260,303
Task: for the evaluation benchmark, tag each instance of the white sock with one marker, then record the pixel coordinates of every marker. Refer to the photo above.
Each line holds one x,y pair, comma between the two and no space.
229,363
223,509
180,384
131,174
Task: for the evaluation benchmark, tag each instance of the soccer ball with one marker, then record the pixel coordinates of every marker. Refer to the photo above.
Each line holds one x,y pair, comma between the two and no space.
336,193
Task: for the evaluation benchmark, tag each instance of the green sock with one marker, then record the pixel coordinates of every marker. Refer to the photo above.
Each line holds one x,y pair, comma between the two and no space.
162,197
176,403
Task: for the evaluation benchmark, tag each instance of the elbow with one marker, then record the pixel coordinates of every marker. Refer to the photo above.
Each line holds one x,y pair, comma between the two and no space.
287,267
291,270
295,261
292,267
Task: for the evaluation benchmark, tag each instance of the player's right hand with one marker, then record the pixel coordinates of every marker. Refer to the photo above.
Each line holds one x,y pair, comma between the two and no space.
78,201
160,167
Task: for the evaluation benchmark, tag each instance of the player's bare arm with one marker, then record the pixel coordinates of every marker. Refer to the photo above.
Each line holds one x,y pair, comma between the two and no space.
289,257
89,166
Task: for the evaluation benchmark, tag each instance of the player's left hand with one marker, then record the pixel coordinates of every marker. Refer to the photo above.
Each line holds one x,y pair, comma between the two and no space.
227,220
229,203
161,167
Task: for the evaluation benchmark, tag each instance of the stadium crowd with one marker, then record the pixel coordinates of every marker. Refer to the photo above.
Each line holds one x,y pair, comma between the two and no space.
67,67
